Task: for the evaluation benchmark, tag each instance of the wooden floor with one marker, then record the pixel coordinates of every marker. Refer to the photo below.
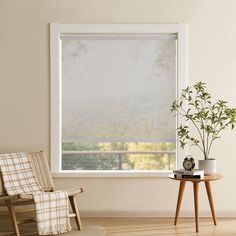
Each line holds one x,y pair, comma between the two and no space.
157,227
165,226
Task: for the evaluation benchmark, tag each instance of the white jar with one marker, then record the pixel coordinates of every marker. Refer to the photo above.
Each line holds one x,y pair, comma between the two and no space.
209,166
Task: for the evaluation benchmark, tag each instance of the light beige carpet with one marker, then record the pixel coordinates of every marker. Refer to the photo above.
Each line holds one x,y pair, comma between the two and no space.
89,229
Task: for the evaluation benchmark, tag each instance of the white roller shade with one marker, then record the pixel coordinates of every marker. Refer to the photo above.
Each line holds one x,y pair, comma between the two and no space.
118,90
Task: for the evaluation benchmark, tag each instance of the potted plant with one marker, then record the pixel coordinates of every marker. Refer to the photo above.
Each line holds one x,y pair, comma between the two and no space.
208,118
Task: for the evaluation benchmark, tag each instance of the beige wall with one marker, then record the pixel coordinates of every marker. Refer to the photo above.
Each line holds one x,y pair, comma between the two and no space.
25,89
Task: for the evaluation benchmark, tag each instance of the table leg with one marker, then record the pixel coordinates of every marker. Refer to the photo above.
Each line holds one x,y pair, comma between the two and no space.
180,196
210,198
195,190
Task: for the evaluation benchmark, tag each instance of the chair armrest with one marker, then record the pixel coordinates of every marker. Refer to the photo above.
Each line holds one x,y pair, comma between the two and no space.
10,198
74,191
71,192
29,196
26,196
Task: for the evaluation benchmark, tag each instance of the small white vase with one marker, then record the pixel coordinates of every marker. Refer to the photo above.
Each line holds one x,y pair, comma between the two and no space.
209,166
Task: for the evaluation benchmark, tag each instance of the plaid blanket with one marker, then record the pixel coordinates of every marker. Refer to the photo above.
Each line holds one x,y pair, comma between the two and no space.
52,209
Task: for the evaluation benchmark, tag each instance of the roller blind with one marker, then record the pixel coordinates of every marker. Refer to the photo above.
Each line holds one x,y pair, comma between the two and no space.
118,89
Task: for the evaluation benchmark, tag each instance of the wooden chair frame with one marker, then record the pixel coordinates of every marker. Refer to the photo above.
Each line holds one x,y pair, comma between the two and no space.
39,164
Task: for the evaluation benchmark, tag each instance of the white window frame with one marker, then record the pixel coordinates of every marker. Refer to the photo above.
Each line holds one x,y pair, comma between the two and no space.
56,30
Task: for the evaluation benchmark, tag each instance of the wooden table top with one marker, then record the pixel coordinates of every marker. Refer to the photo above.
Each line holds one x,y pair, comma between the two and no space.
205,179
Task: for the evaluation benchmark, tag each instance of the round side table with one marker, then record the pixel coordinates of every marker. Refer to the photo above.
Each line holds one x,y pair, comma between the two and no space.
207,180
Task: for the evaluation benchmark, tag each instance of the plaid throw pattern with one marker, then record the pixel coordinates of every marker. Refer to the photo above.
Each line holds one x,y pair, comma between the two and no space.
52,210
17,174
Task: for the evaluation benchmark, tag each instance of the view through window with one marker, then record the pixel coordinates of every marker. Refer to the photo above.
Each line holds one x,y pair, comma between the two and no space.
116,97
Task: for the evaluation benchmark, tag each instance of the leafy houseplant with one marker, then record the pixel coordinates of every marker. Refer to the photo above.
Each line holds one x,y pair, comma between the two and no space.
208,118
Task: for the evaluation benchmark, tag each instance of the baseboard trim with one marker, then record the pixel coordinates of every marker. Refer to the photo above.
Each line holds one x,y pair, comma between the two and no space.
163,214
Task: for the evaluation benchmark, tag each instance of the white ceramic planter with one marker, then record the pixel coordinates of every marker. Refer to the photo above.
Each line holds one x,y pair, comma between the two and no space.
209,166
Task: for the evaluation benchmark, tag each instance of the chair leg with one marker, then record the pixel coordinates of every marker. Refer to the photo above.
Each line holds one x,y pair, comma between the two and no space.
75,211
12,214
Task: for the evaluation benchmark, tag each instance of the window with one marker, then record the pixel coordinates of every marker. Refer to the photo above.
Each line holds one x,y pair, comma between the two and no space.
112,87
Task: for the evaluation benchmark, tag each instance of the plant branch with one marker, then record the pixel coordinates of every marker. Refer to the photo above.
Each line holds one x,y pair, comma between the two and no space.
193,124
208,119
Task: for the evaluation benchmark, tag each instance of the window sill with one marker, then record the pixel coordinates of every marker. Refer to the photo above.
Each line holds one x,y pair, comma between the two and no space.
115,174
